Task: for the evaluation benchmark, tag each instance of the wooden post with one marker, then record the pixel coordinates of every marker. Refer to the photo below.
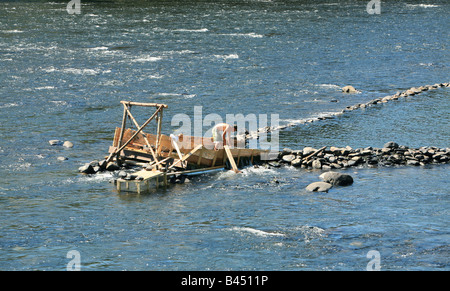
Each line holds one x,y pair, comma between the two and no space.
215,158
230,157
158,131
119,184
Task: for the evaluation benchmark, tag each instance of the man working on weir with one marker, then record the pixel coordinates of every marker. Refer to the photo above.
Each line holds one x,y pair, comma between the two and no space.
220,136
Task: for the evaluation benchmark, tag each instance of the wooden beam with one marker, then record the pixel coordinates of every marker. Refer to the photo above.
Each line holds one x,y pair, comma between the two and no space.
143,104
230,157
185,157
314,153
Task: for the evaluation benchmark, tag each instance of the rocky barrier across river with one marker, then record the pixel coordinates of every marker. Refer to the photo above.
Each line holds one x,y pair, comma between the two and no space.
350,90
391,154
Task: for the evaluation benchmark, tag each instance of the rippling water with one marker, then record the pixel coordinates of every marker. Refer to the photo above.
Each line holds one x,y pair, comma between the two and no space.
62,77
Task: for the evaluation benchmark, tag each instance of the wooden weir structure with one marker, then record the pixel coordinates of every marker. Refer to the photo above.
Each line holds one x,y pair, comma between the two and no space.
163,157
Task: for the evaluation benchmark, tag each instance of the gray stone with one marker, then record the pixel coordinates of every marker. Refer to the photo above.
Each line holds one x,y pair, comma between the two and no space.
391,145
308,151
319,187
297,162
111,166
55,142
349,89
316,164
288,158
274,164
68,144
87,169
412,162
286,151
337,179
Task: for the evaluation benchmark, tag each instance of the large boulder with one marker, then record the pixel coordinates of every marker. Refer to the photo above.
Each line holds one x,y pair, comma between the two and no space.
288,158
349,89
87,169
391,145
337,179
319,187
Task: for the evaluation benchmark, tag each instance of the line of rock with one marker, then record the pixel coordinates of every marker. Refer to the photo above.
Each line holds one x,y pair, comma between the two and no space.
391,154
407,93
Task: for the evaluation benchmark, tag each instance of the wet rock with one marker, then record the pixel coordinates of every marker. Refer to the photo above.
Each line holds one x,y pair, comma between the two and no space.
297,162
337,179
391,145
349,89
288,158
111,166
308,151
286,151
55,142
412,162
68,144
274,164
319,187
86,169
122,174
316,164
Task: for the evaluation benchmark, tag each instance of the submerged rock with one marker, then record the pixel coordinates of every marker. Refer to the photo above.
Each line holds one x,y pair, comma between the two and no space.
337,179
68,144
55,142
349,89
87,169
319,187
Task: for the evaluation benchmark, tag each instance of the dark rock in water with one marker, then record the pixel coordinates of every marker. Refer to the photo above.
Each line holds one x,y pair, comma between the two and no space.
337,179
122,174
286,151
111,166
391,145
86,169
297,162
102,164
55,142
274,164
319,187
412,162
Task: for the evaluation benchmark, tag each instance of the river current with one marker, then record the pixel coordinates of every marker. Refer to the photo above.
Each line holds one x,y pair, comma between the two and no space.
63,75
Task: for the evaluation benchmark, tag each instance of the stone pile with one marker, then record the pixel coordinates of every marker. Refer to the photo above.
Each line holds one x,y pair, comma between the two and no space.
391,154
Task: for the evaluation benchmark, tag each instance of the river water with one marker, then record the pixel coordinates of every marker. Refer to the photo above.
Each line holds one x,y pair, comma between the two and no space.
62,77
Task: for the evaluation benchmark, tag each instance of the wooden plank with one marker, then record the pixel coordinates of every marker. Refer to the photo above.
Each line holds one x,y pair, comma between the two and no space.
143,104
230,157
200,157
185,157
